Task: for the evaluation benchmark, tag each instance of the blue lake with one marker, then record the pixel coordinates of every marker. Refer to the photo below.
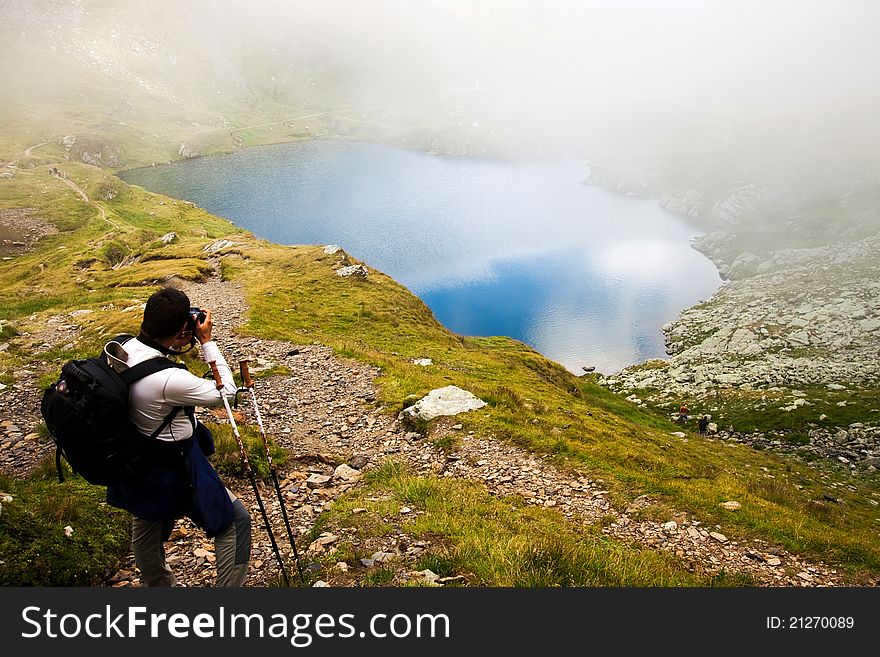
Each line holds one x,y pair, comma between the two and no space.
524,249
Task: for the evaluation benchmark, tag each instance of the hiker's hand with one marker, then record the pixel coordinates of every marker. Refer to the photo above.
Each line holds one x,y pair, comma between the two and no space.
203,329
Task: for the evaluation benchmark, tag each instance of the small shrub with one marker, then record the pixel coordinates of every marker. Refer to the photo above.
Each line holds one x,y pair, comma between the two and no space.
227,459
774,490
378,577
440,564
820,510
114,252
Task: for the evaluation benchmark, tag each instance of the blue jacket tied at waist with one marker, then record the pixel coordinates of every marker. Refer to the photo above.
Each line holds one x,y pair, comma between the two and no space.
181,482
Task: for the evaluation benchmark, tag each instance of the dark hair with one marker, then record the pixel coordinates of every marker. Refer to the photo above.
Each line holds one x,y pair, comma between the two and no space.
166,312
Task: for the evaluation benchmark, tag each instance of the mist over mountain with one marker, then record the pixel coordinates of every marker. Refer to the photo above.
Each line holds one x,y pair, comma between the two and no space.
766,107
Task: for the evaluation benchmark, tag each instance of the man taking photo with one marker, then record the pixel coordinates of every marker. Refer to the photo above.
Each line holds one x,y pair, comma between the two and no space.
179,481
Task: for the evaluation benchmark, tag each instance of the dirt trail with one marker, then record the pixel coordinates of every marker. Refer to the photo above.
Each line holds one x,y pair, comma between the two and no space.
30,149
85,197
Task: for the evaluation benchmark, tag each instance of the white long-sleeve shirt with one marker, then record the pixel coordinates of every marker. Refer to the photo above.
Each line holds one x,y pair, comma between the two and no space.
152,398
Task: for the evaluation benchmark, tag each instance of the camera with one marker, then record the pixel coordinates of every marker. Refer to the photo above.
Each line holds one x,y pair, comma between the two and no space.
196,316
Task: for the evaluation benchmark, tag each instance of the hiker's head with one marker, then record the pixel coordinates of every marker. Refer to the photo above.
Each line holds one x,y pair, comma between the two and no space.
166,314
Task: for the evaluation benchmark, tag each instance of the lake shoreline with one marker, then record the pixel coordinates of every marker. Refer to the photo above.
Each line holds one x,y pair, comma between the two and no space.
454,193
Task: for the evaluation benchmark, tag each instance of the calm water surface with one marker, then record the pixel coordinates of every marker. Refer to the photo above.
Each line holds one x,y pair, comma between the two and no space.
584,275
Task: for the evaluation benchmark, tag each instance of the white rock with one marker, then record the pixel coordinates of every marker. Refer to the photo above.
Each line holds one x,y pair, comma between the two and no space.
353,270
450,400
346,473
217,246
731,505
317,481
721,538
424,362
330,249
429,575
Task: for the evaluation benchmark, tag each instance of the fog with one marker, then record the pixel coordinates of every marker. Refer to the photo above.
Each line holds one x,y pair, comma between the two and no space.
787,92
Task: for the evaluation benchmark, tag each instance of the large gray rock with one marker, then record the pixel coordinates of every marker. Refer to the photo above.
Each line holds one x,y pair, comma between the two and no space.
353,270
346,473
189,150
450,400
219,245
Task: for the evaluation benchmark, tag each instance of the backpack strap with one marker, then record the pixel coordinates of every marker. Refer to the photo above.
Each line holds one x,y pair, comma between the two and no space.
147,367
151,366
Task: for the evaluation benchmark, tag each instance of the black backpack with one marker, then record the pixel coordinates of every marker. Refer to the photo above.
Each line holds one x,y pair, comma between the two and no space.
86,412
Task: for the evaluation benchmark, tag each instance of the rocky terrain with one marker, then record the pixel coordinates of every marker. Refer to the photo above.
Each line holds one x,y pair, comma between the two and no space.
20,229
325,415
807,316
801,323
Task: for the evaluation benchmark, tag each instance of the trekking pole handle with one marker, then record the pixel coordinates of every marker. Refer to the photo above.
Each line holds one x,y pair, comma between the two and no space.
216,374
245,374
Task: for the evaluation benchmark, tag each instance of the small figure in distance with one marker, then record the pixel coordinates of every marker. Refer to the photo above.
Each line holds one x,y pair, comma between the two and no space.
704,425
683,413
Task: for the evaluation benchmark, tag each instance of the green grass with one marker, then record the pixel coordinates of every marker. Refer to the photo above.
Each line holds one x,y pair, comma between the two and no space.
34,550
763,410
228,460
496,541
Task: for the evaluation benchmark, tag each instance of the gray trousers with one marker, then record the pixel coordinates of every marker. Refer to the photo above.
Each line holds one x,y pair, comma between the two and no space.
232,547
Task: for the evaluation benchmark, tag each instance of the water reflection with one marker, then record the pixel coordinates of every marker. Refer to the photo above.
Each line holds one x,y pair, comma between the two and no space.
585,276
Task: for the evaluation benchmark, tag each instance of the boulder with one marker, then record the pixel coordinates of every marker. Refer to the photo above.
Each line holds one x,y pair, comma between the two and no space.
450,400
346,473
353,270
317,481
218,246
188,150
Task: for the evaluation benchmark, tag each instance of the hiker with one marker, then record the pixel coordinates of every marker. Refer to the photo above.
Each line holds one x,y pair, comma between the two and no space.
703,425
683,413
179,480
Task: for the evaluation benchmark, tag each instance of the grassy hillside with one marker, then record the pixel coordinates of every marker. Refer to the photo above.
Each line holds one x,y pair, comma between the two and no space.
110,264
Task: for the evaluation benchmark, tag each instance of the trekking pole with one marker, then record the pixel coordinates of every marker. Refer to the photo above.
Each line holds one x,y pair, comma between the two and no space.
248,383
247,468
